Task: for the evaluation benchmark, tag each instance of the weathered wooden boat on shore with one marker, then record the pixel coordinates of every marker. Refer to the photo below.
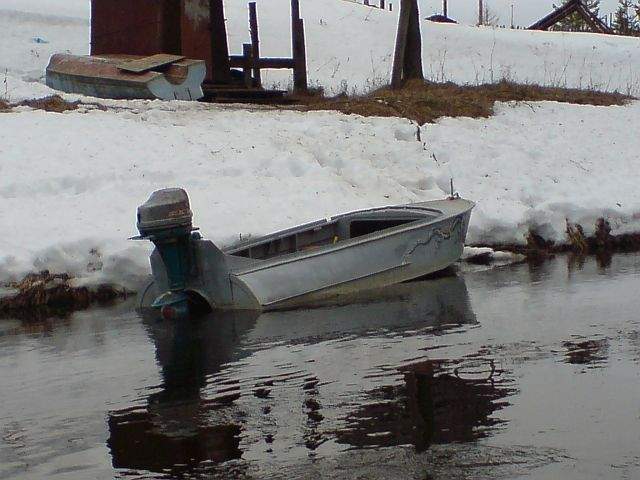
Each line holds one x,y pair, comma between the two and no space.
301,266
128,77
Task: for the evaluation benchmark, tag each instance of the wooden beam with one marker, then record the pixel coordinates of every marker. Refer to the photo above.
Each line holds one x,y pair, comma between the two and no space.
238,61
298,49
248,62
221,71
255,41
300,83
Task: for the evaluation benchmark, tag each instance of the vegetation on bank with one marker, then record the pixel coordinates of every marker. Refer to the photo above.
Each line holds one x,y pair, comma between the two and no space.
425,102
46,294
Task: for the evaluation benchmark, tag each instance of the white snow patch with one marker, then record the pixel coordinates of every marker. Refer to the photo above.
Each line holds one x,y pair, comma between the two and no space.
496,256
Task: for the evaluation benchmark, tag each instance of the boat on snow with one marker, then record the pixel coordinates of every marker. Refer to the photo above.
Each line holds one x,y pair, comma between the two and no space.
128,77
304,265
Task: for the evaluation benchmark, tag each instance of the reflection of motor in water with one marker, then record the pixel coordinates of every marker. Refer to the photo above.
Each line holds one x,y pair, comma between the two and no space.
181,427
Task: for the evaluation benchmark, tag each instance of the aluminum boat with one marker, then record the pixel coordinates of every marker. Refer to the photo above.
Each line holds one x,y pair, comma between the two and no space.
301,266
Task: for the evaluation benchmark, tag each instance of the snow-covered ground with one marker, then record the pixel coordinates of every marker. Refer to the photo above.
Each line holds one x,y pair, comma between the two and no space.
349,47
70,183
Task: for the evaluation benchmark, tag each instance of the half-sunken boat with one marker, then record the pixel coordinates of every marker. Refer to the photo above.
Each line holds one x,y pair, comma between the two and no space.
305,265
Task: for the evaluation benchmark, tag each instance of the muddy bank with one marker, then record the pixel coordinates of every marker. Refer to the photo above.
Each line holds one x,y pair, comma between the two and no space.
44,294
601,243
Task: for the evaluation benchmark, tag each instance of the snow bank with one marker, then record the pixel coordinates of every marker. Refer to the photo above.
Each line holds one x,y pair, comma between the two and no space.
70,191
74,180
350,46
536,165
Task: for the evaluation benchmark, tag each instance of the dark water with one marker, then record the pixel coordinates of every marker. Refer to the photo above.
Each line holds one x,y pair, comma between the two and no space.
509,372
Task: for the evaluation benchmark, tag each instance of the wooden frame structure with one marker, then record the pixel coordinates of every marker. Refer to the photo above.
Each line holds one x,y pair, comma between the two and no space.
195,29
572,6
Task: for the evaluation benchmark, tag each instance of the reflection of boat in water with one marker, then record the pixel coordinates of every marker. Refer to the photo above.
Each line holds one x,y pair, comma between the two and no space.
195,419
434,405
435,304
347,253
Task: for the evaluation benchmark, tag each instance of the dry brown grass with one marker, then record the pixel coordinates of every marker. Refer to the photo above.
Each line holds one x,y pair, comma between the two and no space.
4,106
54,103
426,102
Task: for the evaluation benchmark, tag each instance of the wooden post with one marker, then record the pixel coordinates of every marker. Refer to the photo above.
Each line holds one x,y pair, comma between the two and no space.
298,49
413,49
382,4
255,42
480,13
295,10
407,60
221,70
444,8
247,54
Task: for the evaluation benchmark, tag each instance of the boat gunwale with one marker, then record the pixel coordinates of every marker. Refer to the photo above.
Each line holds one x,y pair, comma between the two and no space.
326,249
232,249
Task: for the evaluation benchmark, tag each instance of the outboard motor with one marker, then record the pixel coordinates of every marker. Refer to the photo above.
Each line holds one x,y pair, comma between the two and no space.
166,220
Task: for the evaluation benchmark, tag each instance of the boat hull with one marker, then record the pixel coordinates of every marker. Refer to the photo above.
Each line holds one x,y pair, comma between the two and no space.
226,280
370,263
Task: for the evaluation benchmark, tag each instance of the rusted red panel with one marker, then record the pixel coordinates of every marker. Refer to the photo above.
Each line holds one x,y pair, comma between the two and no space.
196,34
199,33
148,27
135,27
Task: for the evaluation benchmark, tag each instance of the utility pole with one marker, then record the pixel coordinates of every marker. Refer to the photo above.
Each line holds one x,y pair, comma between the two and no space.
480,13
444,8
512,16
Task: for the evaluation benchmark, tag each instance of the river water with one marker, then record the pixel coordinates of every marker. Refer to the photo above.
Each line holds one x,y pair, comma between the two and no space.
528,370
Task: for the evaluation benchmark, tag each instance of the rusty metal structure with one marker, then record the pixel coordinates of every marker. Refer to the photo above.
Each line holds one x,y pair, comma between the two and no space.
569,8
194,29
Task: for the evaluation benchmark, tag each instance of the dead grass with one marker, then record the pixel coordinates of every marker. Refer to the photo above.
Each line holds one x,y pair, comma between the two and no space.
426,102
54,103
45,294
4,106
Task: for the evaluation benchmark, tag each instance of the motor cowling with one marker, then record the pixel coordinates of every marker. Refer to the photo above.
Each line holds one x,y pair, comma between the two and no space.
166,210
166,220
